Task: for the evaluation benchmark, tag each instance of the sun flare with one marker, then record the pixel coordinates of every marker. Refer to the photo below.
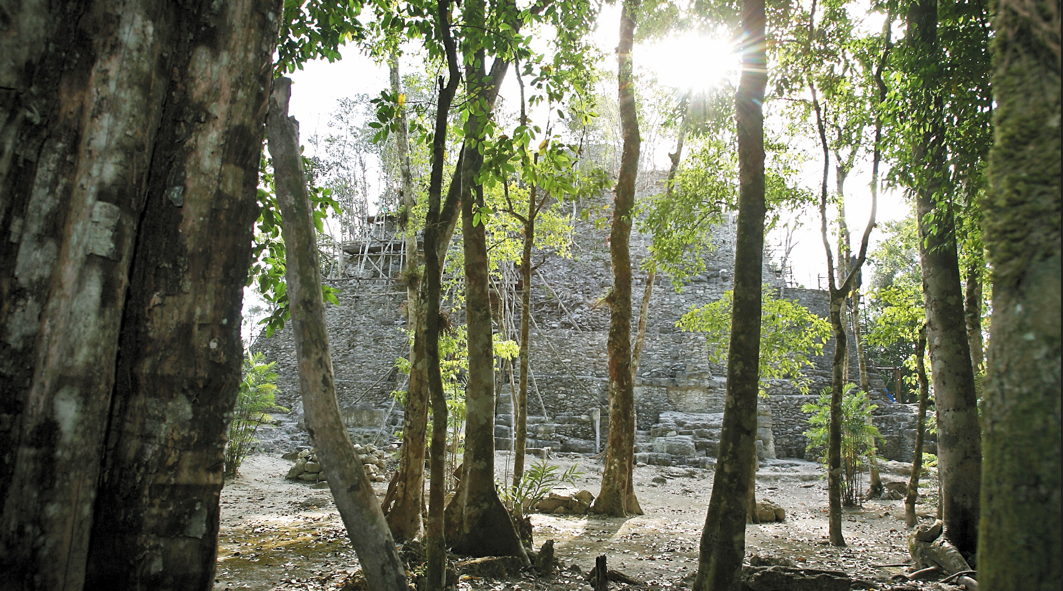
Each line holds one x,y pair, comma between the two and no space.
690,61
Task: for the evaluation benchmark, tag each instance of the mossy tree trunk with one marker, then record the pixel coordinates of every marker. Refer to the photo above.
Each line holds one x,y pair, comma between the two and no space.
1019,541
130,136
404,502
617,495
723,538
520,409
357,503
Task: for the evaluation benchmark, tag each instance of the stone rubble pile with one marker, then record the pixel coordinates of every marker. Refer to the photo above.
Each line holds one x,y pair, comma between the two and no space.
566,501
308,469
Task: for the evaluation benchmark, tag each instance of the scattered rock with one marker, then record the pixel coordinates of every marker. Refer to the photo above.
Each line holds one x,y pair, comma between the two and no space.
566,501
768,511
768,560
307,468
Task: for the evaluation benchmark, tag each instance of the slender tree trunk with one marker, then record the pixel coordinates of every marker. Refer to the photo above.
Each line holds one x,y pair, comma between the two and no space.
838,296
617,496
486,529
723,539
972,313
651,277
520,409
910,518
351,489
1019,546
405,500
875,484
436,240
959,440
90,156
644,310
834,442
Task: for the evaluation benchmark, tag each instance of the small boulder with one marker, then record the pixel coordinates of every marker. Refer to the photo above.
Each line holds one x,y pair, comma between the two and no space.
768,512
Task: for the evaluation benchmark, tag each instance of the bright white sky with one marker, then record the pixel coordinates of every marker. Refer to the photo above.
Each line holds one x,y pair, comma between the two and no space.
319,87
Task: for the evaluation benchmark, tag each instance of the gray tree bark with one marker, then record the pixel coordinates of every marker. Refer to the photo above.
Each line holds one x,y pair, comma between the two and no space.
129,142
910,518
351,489
959,437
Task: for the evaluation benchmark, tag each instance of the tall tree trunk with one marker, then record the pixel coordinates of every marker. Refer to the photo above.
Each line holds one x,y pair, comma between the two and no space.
723,539
959,440
486,529
96,144
1019,542
617,495
404,502
351,489
910,518
436,239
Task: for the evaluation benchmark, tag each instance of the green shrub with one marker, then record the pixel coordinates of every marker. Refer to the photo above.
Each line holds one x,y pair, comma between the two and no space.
257,397
859,435
536,481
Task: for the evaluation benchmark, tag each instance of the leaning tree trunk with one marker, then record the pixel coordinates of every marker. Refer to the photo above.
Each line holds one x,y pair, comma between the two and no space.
128,162
910,518
723,539
617,495
404,502
651,277
1019,541
366,527
959,439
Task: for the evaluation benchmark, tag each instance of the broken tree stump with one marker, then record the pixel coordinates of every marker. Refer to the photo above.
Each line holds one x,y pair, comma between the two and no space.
600,574
929,547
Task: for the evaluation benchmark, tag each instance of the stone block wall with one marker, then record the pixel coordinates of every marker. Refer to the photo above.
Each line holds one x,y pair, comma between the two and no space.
569,365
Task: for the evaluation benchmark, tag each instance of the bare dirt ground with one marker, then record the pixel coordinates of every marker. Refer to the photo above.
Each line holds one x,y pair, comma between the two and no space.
283,535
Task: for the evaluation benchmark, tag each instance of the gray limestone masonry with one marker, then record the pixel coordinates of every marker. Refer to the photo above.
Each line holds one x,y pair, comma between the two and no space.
679,395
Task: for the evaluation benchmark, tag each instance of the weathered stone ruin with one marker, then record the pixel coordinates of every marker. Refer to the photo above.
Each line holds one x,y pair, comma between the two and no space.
679,395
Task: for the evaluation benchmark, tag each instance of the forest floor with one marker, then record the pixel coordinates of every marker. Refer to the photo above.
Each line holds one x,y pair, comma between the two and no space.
283,535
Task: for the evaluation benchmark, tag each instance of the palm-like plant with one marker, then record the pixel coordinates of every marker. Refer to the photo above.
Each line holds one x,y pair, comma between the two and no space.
256,399
859,435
